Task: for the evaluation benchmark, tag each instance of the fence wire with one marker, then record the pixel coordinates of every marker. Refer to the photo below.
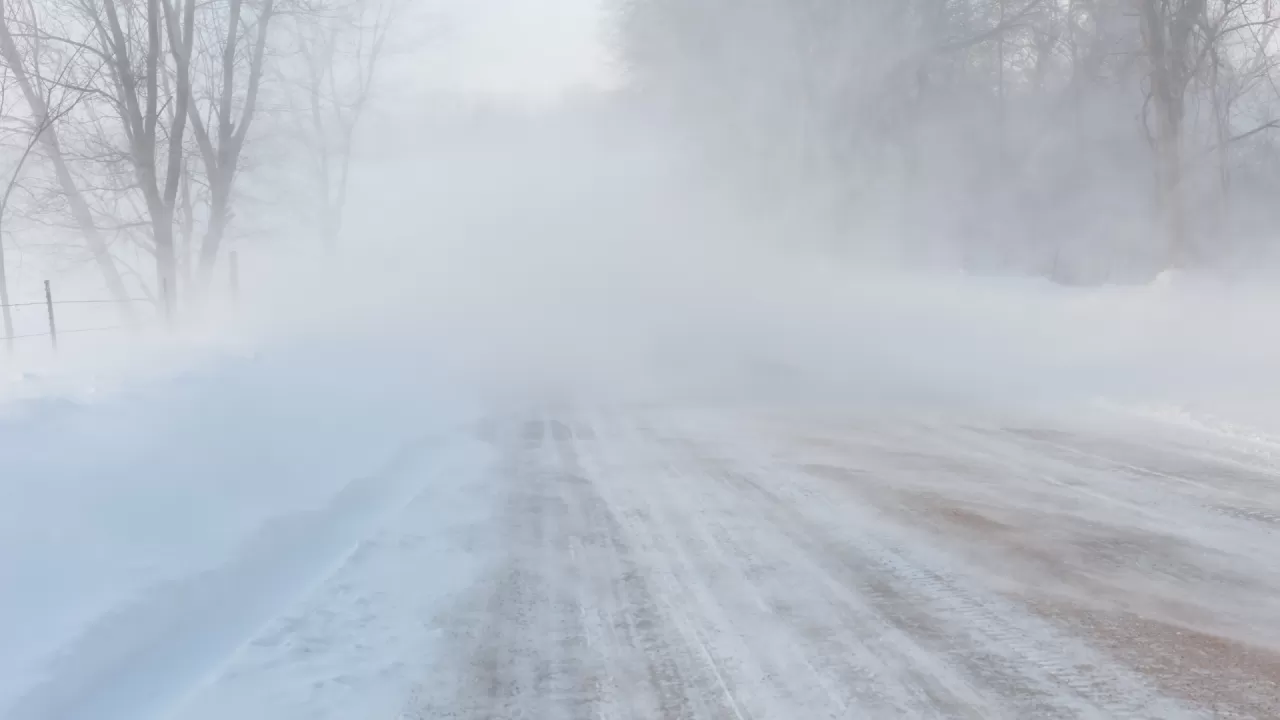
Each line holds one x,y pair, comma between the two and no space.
50,302
66,332
43,303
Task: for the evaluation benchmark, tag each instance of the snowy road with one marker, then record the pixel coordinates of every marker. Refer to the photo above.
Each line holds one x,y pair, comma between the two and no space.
702,564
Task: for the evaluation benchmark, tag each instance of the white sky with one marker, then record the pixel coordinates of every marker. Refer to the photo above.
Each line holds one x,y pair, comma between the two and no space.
511,47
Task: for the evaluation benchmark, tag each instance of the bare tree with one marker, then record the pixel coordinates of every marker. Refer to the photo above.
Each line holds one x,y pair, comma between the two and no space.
341,46
138,101
1184,44
5,84
222,140
29,67
169,92
1011,121
30,131
1174,46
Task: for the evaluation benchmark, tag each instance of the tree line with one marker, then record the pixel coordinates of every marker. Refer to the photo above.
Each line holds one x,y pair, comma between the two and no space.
1085,140
126,125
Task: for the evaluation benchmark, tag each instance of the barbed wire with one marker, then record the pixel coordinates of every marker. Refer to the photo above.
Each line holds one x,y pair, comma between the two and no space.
43,303
65,332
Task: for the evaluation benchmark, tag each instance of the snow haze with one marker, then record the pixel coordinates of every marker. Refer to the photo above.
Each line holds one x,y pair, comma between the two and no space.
762,330
510,48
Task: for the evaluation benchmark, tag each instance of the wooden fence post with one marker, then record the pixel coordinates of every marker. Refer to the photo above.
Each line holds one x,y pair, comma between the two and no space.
53,324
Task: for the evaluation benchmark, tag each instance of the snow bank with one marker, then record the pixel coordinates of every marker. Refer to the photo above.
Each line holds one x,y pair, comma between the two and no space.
143,525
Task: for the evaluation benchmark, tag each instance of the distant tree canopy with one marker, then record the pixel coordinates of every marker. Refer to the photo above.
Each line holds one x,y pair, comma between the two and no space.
1084,140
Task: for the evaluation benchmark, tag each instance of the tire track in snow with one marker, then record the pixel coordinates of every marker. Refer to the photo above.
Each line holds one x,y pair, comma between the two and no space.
581,626
993,640
791,644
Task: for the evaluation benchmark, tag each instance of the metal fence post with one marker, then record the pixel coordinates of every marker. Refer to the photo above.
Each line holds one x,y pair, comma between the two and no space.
53,324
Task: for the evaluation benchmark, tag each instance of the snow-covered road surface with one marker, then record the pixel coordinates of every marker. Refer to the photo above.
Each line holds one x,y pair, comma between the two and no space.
709,564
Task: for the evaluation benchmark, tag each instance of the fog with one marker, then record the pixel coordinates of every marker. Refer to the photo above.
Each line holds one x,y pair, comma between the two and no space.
597,241
580,253
625,201
440,353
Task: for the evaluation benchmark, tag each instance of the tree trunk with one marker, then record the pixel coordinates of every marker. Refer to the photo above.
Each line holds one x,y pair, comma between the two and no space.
329,231
4,301
223,161
1222,104
166,263
142,123
219,219
1169,179
186,258
1165,32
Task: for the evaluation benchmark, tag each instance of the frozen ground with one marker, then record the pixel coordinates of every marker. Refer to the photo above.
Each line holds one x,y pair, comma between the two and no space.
641,563
610,562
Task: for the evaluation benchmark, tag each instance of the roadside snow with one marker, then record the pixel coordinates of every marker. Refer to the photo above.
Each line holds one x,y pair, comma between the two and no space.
361,642
147,531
